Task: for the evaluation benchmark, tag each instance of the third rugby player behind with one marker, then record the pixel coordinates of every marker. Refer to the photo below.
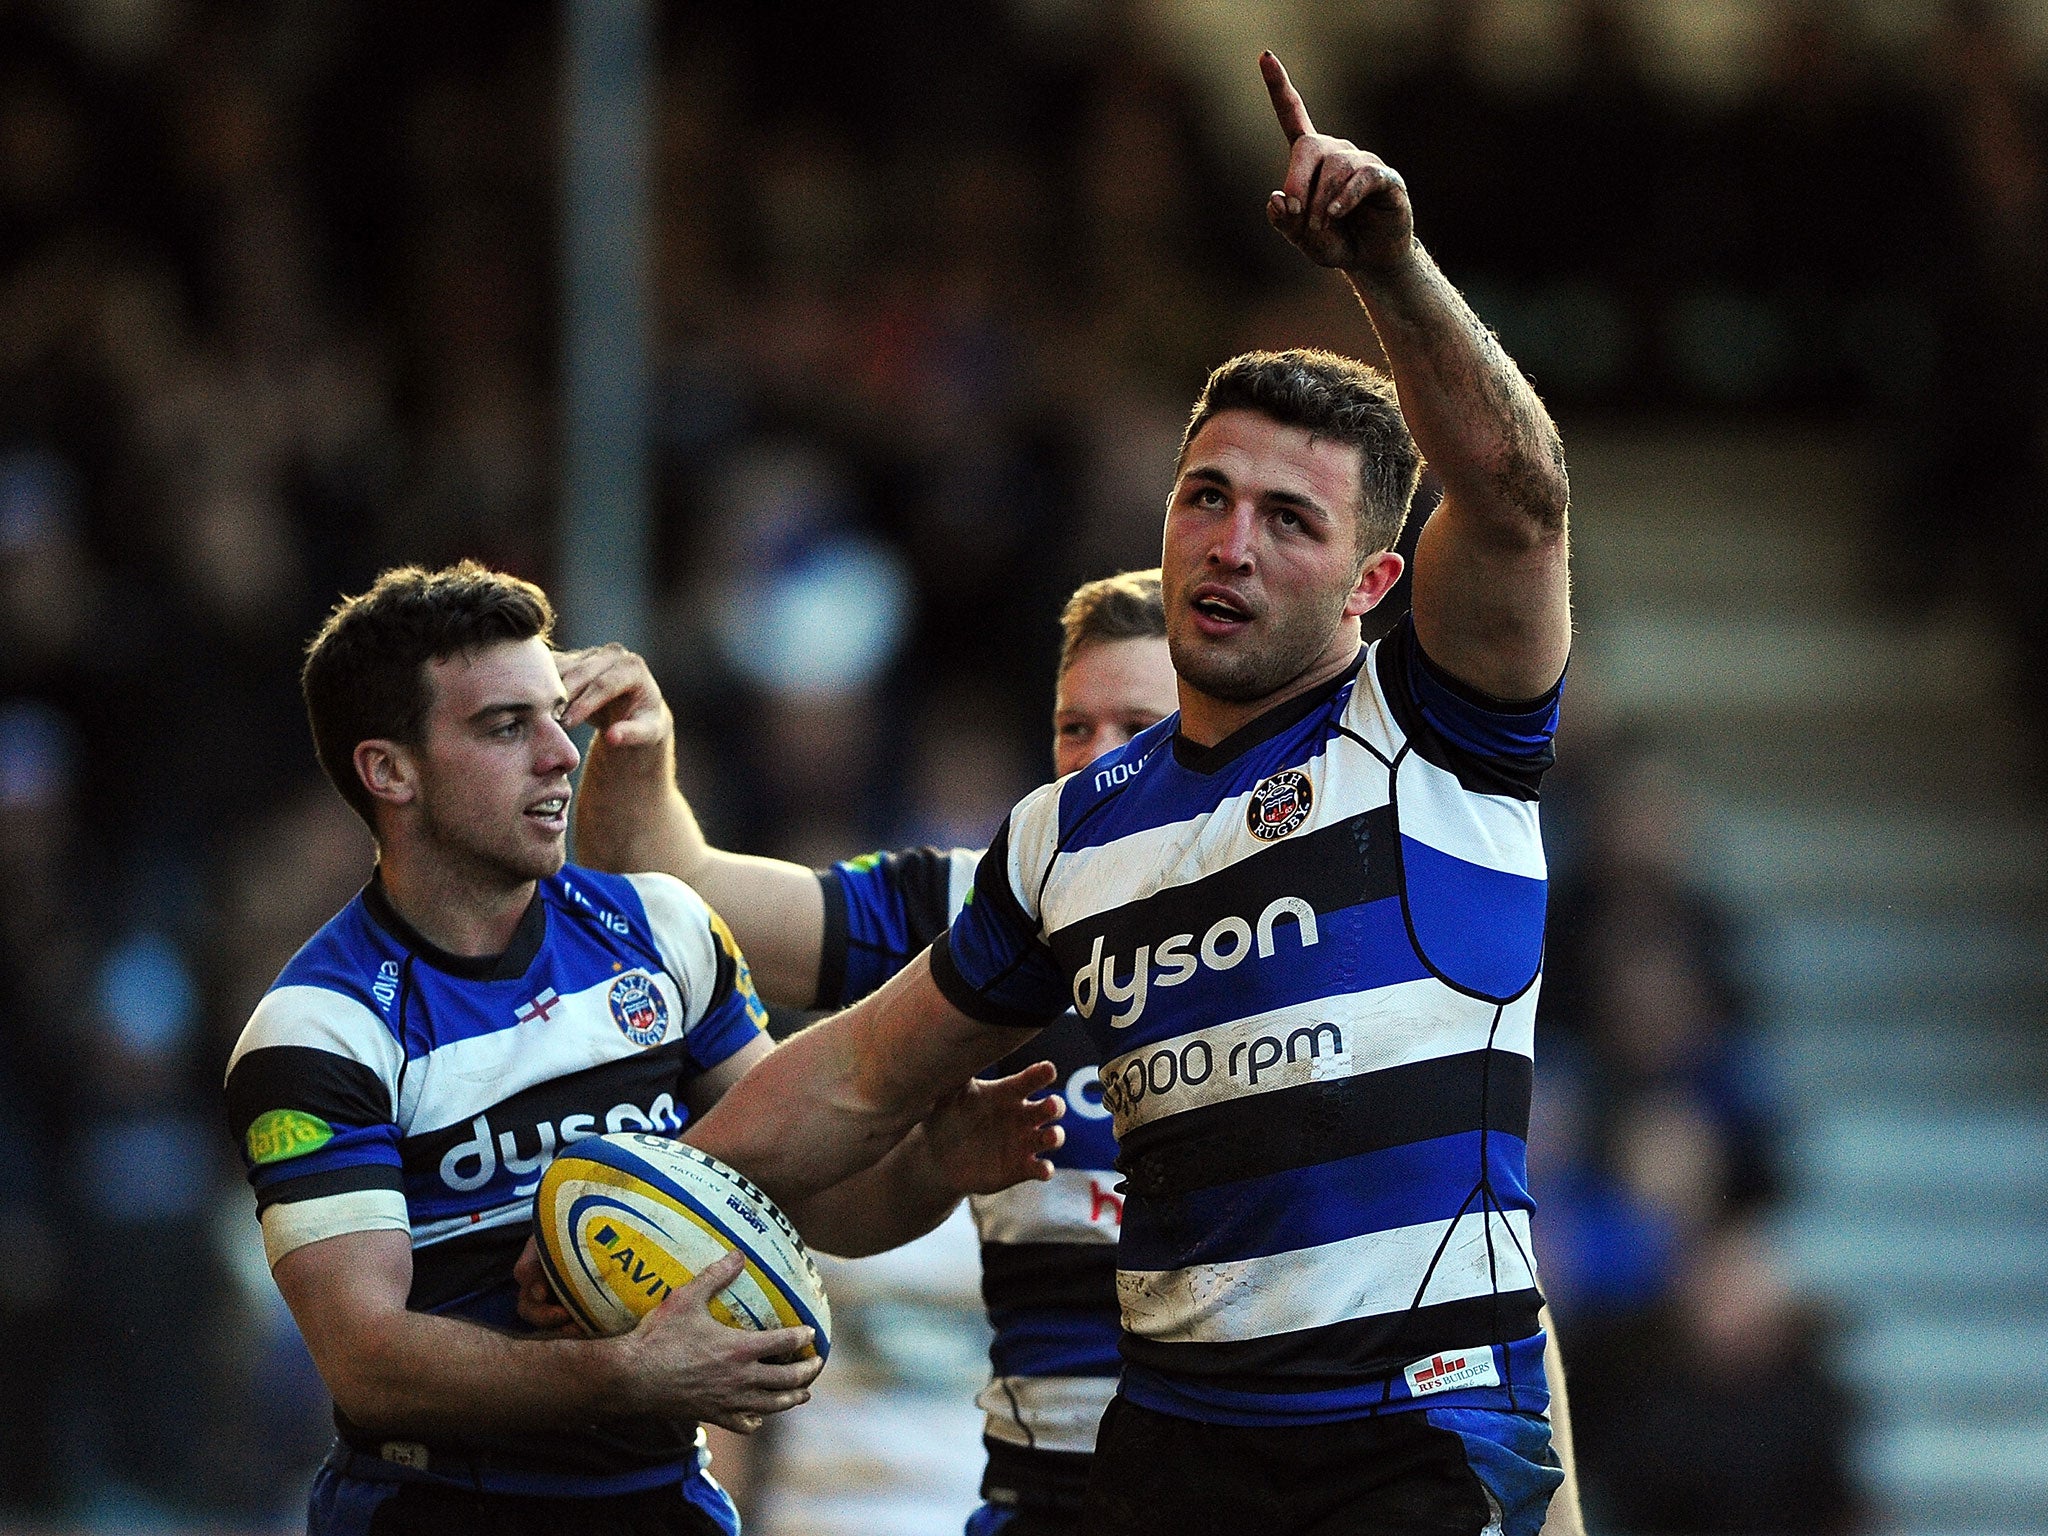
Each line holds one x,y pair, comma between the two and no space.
826,938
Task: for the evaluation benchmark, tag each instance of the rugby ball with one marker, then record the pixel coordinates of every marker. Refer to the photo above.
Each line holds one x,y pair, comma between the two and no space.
622,1220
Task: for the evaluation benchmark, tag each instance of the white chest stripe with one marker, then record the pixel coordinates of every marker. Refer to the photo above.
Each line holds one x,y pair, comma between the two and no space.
325,1020
1076,1205
1492,831
466,1077
1326,1038
1345,781
1366,1276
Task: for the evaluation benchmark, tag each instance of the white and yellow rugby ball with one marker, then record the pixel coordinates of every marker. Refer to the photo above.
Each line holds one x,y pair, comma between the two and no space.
622,1220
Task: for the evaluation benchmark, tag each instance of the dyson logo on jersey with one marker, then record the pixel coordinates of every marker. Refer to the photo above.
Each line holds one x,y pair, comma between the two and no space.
470,1165
1228,941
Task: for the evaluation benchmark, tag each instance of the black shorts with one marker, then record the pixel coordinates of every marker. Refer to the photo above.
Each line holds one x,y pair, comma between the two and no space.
1030,1493
1421,1472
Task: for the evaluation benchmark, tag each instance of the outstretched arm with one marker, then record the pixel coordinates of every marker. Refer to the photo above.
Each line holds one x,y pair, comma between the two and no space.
630,817
1492,600
983,1138
838,1097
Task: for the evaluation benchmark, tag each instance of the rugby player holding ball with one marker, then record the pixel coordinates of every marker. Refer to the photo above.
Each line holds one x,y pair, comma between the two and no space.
1302,920
399,1090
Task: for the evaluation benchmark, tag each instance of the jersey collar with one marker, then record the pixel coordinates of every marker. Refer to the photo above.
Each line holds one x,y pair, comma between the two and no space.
1200,759
509,966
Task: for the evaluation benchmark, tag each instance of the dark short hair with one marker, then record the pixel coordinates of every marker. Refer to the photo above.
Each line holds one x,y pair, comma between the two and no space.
1327,396
1126,606
365,677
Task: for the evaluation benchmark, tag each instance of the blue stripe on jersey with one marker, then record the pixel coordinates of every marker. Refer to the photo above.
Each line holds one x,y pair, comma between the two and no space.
1326,1202
1485,727
1048,1343
1523,1389
1482,929
727,1028
1368,943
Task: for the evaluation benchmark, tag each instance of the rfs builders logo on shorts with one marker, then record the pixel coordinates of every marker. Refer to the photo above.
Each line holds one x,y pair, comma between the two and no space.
1452,1368
639,1008
1279,805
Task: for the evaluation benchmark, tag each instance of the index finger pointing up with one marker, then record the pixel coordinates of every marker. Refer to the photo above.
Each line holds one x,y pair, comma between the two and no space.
1286,102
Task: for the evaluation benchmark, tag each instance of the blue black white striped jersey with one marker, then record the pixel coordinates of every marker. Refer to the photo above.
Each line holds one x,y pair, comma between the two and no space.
1309,956
384,1084
1048,1251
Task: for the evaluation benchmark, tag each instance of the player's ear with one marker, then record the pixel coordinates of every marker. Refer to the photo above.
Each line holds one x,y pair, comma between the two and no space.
1375,579
388,771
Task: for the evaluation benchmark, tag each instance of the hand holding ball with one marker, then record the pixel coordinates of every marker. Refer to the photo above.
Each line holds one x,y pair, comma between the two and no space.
622,1220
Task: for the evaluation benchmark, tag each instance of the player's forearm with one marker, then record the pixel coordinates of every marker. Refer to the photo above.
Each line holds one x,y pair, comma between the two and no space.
1564,1518
411,1373
1474,416
901,1198
837,1098
631,817
808,1117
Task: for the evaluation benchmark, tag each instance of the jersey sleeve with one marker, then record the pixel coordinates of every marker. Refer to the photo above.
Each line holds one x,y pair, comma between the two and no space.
993,963
881,910
1493,746
722,1013
311,1101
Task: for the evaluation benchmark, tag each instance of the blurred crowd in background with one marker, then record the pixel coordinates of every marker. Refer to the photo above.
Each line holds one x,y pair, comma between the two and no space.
934,286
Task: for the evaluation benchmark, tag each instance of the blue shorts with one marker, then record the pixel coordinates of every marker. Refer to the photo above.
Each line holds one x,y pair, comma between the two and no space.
1425,1471
356,1495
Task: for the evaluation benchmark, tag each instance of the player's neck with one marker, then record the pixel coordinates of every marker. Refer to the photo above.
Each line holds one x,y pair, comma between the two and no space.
1206,721
451,908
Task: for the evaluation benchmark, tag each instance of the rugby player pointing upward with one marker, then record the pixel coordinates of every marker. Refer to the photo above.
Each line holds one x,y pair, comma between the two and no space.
1303,921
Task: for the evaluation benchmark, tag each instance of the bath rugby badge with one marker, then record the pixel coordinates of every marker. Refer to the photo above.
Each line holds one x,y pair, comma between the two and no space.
639,1008
1279,805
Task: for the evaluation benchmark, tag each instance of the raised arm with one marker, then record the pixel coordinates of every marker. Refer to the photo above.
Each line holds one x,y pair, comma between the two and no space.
631,817
1492,599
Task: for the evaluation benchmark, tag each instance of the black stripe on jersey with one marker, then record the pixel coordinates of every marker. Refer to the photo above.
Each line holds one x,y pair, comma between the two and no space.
445,1274
303,1077
1343,1354
1343,865
635,1080
1265,1133
1069,1276
335,1181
